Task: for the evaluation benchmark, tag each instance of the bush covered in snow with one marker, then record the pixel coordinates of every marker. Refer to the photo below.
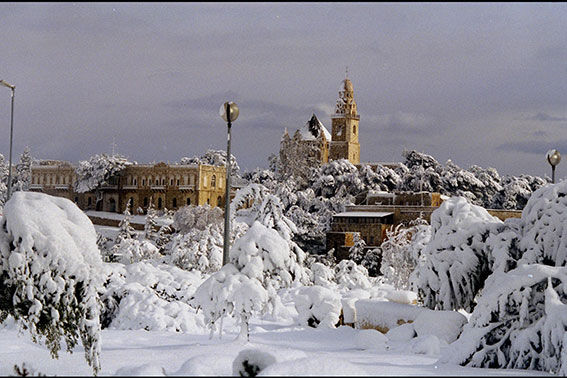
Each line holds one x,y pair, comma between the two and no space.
50,270
318,306
149,295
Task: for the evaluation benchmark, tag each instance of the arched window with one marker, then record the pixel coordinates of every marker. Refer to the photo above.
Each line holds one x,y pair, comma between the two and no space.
214,181
131,202
188,201
208,201
76,200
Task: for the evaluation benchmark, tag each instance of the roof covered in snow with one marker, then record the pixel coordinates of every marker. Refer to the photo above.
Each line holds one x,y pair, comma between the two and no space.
374,214
313,129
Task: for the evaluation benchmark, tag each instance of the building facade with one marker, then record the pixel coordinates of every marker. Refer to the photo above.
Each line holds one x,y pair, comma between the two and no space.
166,186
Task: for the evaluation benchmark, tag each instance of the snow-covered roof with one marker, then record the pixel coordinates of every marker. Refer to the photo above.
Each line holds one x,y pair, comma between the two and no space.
312,129
379,193
373,214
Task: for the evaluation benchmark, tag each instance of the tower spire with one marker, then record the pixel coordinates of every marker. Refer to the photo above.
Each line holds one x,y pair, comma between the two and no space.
346,74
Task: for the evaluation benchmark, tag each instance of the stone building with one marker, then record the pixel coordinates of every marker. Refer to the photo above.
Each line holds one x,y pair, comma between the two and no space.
168,186
371,221
344,138
316,142
384,211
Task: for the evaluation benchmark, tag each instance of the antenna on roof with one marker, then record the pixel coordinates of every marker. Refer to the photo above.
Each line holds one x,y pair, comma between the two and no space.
346,75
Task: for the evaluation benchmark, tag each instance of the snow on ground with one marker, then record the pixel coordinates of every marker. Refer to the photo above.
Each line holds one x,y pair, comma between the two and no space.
135,218
296,351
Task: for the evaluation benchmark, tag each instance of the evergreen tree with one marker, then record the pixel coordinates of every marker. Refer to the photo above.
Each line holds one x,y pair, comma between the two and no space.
23,174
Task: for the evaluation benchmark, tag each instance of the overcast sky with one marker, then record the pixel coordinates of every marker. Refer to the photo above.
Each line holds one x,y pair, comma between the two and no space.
477,83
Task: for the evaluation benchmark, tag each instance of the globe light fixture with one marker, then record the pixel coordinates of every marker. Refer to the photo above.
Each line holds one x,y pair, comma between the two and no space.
13,89
553,158
229,112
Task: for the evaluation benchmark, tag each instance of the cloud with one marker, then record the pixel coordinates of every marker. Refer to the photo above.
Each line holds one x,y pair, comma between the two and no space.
544,117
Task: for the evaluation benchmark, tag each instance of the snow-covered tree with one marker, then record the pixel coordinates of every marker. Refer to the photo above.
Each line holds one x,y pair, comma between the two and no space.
263,253
299,158
401,251
51,269
92,173
125,229
456,261
230,292
516,191
199,238
22,178
519,319
216,158
3,180
127,249
356,252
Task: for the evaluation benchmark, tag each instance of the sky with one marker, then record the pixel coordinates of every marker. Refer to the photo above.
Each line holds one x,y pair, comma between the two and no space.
477,83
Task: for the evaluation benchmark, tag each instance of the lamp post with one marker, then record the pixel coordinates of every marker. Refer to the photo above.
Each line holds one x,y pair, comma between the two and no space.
229,112
553,158
13,89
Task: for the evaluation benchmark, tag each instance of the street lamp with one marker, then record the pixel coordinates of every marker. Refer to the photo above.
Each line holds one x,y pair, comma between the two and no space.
553,157
229,112
13,89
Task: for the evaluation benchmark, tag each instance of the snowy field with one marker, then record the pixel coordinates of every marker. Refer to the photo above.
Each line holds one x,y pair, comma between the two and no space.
343,351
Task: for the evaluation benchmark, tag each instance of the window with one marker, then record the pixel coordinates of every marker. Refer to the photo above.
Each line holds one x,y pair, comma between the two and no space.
145,201
219,201
174,202
171,182
177,182
132,201
188,201
159,203
208,201
214,181
90,201
76,199
135,181
143,182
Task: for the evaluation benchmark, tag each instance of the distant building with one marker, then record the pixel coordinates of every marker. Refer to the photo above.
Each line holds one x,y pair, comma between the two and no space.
383,211
314,141
167,186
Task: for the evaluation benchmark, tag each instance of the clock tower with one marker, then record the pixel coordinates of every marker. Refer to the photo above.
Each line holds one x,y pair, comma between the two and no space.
344,140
